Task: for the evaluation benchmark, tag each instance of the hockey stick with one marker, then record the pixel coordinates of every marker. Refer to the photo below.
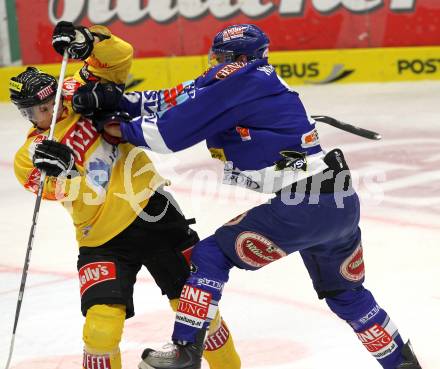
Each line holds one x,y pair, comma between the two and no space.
36,210
347,127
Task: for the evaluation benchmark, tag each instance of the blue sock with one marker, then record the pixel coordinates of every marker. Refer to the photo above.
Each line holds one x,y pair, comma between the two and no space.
198,303
371,324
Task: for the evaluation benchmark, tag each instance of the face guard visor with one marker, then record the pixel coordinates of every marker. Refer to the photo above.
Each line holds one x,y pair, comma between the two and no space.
35,112
33,92
216,57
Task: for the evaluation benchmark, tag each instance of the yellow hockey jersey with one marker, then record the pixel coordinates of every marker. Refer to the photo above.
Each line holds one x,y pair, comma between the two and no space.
113,182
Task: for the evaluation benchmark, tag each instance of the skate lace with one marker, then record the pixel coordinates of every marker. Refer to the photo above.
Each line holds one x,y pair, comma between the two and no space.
168,351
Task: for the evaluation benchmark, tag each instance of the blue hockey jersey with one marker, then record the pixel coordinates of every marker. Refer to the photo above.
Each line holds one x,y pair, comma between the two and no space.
247,114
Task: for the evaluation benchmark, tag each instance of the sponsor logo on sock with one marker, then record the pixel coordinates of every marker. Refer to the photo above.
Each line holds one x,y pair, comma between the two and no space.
370,315
210,283
94,273
96,361
361,322
182,318
257,250
353,268
193,306
217,339
378,341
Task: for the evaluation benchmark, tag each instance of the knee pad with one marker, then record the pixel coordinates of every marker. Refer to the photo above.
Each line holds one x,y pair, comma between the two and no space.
101,334
208,259
103,328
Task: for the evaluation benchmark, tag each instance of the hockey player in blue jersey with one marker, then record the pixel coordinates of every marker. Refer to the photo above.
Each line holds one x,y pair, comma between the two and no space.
254,122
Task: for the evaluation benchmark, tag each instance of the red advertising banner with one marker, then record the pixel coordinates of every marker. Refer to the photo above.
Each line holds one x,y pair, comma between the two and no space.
186,27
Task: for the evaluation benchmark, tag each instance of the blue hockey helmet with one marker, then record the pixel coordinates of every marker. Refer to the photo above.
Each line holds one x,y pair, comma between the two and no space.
236,40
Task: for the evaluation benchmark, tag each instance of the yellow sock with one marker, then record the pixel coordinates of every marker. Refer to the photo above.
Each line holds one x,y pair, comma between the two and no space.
219,347
219,351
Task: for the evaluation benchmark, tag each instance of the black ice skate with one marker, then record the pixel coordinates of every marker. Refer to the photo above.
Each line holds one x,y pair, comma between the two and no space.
178,356
410,361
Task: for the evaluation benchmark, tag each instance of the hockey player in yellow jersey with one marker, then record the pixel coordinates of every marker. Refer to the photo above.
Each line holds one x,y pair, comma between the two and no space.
122,215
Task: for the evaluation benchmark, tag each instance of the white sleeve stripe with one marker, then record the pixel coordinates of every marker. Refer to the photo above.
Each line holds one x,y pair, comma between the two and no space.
51,162
153,138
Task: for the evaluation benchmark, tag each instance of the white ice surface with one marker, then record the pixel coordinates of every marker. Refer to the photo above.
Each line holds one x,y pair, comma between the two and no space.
276,320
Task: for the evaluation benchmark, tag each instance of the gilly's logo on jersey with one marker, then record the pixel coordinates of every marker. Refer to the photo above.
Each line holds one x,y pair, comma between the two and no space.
94,273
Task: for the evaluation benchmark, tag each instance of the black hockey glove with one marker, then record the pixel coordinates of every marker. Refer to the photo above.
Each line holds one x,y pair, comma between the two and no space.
97,96
77,39
53,157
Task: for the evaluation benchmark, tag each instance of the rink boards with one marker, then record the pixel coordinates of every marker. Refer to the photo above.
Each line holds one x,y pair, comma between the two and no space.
296,67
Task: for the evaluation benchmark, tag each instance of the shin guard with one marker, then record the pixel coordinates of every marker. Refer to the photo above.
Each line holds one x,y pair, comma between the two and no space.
101,334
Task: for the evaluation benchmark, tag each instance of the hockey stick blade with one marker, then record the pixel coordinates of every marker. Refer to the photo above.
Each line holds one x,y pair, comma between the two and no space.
371,135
